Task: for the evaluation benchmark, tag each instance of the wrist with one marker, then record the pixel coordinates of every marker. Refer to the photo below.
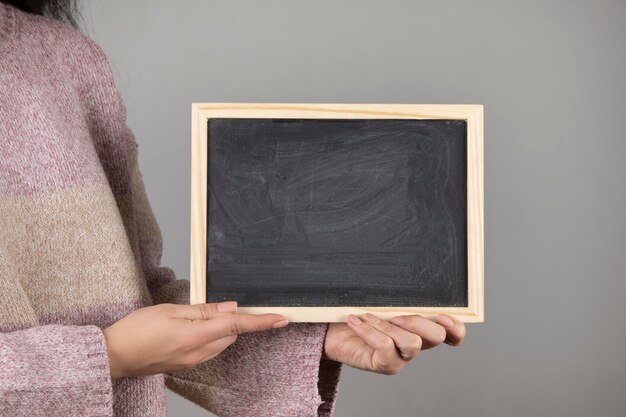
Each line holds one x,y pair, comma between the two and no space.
326,345
113,353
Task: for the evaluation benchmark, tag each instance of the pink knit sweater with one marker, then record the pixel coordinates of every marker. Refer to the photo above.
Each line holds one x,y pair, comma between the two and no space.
80,249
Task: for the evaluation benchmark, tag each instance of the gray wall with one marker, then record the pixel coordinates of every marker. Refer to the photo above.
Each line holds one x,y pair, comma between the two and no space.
551,75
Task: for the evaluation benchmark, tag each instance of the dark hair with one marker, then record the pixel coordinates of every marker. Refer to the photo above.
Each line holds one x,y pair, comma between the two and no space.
63,10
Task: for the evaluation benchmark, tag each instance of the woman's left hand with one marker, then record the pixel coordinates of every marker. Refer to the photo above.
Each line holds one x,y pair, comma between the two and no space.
373,344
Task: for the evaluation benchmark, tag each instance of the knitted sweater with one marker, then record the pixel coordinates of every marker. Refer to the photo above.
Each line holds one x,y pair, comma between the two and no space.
80,249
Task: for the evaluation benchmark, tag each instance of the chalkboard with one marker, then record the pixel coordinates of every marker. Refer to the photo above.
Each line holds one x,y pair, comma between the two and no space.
309,212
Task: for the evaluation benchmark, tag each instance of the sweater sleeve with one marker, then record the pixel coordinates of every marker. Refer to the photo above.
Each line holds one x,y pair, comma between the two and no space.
55,370
273,373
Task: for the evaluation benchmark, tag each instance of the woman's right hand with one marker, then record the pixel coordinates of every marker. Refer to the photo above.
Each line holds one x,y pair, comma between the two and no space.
168,337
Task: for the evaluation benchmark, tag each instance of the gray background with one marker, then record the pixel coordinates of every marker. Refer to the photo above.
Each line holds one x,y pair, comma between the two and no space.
552,78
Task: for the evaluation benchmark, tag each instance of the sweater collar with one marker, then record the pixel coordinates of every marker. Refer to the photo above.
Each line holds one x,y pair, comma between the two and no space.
7,25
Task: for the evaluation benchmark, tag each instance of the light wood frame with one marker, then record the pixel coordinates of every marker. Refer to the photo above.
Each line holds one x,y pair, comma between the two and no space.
472,114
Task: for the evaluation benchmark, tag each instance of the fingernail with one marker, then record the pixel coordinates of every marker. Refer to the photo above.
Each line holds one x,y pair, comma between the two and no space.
354,320
371,319
227,307
280,324
445,321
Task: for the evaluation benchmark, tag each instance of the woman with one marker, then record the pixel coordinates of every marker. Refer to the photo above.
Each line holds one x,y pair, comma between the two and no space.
90,321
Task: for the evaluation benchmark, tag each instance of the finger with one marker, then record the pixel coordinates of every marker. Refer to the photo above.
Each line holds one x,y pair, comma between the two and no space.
432,334
235,324
387,358
408,343
204,311
455,329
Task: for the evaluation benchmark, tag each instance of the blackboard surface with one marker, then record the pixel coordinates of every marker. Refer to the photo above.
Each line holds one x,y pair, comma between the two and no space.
337,212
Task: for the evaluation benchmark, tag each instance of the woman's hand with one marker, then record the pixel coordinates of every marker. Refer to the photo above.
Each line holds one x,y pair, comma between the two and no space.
169,337
385,347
